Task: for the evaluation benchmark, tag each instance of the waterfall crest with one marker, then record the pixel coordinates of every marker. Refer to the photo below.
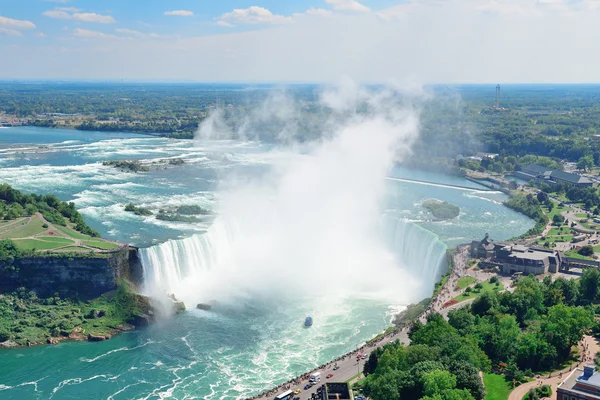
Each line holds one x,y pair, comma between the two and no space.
168,264
420,250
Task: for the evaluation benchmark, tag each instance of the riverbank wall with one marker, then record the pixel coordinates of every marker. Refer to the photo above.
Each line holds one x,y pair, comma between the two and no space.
84,276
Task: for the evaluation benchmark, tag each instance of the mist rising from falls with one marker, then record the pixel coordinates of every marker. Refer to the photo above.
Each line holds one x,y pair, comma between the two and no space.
312,226
196,259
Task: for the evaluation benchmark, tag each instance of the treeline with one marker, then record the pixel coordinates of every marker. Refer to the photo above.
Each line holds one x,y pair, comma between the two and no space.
531,207
14,204
508,164
517,334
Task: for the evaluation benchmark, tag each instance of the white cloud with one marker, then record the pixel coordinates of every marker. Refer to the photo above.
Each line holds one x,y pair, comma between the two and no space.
318,11
180,13
137,34
58,1
69,13
224,24
10,23
68,9
453,46
40,34
9,32
495,6
251,16
347,5
86,33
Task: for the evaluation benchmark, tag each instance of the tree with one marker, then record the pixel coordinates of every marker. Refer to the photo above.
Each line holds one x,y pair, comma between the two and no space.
462,320
588,284
585,163
557,219
435,382
587,251
467,377
542,197
513,185
485,304
565,326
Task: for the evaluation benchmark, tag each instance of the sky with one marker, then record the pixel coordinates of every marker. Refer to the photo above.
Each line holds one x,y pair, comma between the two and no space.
387,41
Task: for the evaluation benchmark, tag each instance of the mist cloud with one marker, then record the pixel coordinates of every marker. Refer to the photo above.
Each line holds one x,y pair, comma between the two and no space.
312,224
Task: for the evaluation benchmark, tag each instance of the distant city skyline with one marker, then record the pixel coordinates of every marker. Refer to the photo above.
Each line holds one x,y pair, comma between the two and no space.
401,42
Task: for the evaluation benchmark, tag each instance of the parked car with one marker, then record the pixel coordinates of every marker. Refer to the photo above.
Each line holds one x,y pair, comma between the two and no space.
297,391
329,376
308,385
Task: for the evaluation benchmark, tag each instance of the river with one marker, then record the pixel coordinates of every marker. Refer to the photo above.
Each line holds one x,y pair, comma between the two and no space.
254,339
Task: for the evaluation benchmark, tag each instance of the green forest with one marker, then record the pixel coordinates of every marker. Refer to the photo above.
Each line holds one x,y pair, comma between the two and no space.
530,331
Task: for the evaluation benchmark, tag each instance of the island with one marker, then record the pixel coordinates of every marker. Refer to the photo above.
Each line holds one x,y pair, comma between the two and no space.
441,210
59,280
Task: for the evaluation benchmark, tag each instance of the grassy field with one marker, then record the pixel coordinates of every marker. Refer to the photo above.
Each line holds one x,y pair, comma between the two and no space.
487,287
466,281
559,231
33,228
73,249
31,244
574,254
8,225
57,240
496,386
555,211
72,233
100,244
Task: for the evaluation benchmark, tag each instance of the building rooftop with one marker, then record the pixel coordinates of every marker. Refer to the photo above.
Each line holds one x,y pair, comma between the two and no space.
585,381
530,255
537,168
556,174
572,178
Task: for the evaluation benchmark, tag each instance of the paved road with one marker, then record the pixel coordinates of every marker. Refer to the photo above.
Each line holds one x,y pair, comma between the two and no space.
348,368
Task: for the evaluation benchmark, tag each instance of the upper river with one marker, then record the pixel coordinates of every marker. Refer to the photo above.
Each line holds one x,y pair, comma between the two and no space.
256,339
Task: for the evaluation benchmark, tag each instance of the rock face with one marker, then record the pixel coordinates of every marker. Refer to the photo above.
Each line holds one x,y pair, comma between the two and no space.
98,338
86,277
203,306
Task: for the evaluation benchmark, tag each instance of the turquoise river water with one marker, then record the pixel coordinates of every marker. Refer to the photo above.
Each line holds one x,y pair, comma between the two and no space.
255,339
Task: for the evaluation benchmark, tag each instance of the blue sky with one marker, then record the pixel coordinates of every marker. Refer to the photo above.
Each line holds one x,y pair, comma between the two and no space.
195,17
414,41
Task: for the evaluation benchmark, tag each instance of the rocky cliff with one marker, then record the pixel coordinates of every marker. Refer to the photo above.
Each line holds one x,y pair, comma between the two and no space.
85,277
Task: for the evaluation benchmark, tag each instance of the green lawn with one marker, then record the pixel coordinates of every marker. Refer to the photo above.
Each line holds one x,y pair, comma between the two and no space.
31,229
466,281
30,244
72,233
559,231
496,386
8,225
581,215
487,287
574,254
74,248
555,210
57,240
100,244
563,238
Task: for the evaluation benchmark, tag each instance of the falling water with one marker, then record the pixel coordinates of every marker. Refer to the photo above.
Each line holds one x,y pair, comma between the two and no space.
168,264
